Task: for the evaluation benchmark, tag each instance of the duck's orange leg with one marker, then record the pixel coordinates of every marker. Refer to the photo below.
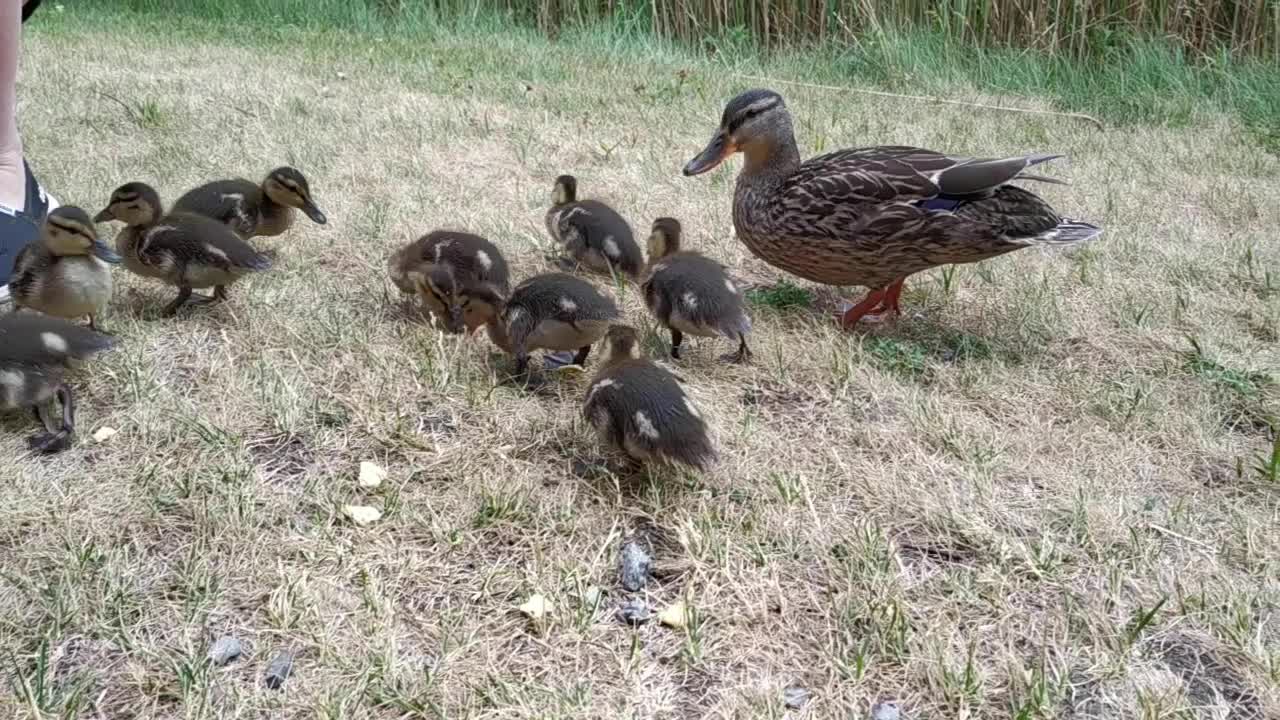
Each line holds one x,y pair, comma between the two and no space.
870,305
891,295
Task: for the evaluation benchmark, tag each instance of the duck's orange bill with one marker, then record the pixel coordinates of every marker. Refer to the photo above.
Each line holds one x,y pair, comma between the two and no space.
712,155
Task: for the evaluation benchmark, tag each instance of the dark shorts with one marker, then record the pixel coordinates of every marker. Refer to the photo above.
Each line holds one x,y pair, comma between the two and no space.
19,229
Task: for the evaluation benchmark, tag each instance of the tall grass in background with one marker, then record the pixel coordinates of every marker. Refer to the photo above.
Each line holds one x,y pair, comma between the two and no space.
1159,61
1077,28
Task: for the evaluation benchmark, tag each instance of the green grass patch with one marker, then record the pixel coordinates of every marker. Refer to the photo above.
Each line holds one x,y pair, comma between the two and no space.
903,358
785,295
1124,79
1247,383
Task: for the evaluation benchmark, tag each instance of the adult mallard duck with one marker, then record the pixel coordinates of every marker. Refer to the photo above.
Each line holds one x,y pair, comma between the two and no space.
875,215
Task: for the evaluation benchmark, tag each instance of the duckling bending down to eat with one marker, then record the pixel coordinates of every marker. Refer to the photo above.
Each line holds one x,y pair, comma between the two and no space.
594,234
181,249
875,215
555,311
252,209
454,273
35,352
691,293
640,409
65,274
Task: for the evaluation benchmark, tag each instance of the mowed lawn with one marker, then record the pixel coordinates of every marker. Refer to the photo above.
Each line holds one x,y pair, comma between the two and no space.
1049,490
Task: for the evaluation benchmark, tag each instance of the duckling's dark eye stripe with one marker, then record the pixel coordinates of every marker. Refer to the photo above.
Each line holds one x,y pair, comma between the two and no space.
74,229
127,198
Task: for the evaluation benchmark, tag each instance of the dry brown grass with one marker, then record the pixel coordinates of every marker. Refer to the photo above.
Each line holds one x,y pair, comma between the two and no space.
972,511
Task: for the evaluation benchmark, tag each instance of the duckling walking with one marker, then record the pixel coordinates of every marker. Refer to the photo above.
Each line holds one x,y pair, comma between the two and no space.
453,273
35,352
181,249
640,409
691,293
594,234
66,274
554,311
876,215
252,209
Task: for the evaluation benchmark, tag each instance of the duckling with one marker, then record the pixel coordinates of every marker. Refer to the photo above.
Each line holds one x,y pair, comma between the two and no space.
440,265
35,352
182,249
66,273
691,293
554,311
253,209
640,408
593,233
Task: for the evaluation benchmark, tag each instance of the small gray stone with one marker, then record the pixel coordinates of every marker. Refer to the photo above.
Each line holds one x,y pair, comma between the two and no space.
279,669
884,711
635,612
795,697
635,566
224,650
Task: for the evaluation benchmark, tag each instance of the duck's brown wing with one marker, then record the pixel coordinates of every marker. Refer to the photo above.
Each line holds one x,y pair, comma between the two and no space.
849,180
852,180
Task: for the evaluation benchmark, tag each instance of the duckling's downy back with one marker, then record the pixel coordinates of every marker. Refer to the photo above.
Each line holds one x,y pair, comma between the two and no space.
596,235
548,292
472,258
34,340
691,292
641,409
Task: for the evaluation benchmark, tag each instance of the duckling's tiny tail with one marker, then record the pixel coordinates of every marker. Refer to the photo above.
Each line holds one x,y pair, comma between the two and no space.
1068,232
697,453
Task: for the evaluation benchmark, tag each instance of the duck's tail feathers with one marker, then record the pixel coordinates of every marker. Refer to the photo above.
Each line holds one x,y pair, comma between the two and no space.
1067,232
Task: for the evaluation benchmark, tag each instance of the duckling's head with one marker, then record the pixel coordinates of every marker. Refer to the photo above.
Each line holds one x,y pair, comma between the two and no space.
756,120
621,343
565,190
664,238
288,187
459,306
69,231
133,203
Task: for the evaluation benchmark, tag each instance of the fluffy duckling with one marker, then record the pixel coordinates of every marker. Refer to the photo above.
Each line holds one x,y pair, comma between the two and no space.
691,293
181,249
555,311
35,352
66,273
594,234
253,209
441,266
640,408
